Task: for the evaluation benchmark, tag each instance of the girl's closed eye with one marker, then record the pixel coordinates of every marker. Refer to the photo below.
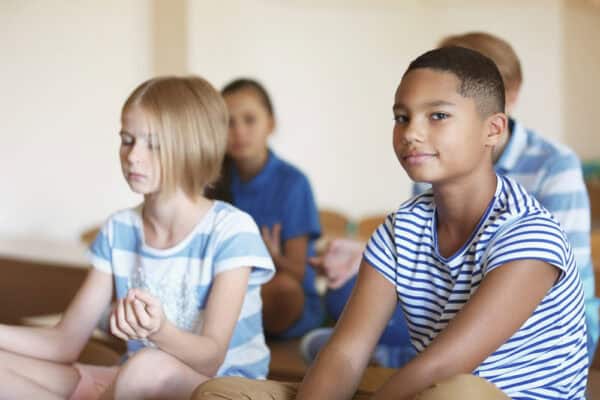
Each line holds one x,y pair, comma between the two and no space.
126,139
437,116
153,142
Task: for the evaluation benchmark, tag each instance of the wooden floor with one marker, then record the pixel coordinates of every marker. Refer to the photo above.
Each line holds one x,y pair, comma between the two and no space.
34,288
54,286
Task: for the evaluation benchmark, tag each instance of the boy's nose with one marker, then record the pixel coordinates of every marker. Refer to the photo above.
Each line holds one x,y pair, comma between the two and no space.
412,134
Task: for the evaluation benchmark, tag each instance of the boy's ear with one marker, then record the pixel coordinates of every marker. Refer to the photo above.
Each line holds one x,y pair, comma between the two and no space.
496,125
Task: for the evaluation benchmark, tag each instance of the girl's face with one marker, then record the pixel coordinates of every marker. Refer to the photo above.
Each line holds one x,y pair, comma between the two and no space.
139,153
250,125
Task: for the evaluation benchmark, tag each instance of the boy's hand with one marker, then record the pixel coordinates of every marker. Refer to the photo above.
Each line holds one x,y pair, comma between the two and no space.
272,239
340,261
137,316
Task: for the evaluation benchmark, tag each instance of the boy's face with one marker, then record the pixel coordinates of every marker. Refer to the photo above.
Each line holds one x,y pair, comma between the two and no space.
439,135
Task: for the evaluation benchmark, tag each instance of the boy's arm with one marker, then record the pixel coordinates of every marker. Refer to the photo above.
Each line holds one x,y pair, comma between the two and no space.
506,298
64,342
206,352
338,368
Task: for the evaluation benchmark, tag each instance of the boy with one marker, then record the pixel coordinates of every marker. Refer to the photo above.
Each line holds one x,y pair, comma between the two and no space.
484,274
549,171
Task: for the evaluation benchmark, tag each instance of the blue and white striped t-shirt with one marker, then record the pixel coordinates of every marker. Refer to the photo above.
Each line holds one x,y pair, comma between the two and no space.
181,276
547,357
551,172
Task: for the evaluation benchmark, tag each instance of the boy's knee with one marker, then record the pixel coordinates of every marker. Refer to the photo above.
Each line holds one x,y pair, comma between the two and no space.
463,387
222,388
235,388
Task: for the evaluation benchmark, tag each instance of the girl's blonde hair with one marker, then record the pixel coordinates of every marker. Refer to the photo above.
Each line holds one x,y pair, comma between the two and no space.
189,119
500,51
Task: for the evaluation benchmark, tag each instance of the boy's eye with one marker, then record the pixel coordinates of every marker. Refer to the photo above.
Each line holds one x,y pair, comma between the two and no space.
439,116
400,119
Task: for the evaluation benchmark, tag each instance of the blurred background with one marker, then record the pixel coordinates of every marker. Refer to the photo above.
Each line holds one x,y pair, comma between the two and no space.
331,66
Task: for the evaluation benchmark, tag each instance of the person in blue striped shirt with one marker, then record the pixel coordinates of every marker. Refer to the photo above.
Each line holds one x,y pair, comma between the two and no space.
550,171
186,271
484,274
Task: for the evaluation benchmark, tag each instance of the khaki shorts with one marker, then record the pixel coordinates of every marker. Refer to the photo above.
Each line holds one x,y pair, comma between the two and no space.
461,387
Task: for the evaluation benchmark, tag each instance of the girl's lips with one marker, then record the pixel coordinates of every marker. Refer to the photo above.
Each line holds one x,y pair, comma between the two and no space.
135,176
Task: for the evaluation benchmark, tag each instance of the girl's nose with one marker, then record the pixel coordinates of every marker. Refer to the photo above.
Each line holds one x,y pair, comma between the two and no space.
135,152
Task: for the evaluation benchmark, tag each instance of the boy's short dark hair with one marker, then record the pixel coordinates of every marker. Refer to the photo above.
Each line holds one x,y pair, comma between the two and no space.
497,49
478,75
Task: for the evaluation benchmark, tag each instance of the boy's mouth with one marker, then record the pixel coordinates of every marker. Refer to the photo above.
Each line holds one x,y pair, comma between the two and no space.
417,157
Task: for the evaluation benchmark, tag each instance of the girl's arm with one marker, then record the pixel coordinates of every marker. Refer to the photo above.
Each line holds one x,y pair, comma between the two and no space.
64,342
206,352
338,368
505,299
292,258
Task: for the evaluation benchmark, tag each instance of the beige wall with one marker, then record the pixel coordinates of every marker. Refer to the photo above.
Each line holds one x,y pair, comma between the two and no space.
331,66
332,71
581,78
66,68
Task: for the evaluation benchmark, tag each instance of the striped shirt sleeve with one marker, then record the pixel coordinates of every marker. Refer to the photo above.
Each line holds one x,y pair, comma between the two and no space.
380,252
529,238
240,245
100,251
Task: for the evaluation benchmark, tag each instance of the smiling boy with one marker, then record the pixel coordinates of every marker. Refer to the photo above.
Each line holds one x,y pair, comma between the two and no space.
484,274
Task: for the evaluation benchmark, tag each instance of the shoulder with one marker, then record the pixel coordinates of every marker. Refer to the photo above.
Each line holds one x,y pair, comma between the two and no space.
229,220
512,201
412,215
123,222
420,205
518,212
130,215
237,243
551,153
289,173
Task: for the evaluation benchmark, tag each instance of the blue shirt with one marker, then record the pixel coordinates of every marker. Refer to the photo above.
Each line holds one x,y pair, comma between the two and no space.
551,172
546,358
281,193
181,277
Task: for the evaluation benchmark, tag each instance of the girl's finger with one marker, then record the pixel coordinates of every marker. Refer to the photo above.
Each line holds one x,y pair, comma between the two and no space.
132,318
139,307
266,235
115,329
145,297
121,320
276,233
